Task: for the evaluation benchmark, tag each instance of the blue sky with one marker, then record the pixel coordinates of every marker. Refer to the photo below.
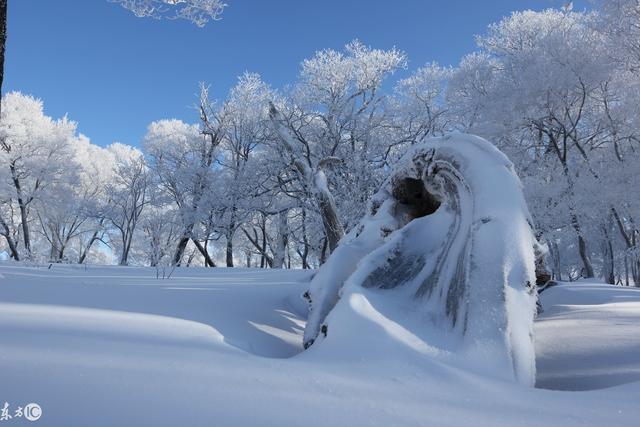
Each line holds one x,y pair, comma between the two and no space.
114,73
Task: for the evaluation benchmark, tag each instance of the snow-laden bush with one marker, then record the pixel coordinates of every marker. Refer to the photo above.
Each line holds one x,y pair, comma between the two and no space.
447,249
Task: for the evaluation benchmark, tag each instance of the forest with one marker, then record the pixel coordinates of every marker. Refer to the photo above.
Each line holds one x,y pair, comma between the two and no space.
274,177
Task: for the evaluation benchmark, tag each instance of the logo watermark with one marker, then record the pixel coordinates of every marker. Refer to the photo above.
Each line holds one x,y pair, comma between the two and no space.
31,412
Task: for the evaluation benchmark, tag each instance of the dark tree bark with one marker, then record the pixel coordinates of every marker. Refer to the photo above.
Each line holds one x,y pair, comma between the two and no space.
305,252
261,248
205,253
333,227
94,238
22,204
13,247
3,38
582,249
85,252
263,229
229,254
229,236
182,245
283,240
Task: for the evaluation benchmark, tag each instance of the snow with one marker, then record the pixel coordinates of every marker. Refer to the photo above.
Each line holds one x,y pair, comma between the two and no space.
588,336
106,346
466,269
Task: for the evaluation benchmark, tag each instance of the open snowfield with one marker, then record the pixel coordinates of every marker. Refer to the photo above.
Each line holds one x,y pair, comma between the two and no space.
109,346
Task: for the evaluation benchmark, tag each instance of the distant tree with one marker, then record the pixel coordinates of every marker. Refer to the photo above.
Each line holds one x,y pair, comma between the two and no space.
200,12
128,195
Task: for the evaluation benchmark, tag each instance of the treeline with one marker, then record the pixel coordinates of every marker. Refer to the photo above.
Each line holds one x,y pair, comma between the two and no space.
274,178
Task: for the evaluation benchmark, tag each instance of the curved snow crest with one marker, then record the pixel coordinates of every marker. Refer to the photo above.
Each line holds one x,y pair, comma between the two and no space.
447,240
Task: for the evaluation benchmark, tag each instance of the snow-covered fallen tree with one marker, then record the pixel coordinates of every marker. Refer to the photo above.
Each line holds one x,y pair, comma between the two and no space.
446,250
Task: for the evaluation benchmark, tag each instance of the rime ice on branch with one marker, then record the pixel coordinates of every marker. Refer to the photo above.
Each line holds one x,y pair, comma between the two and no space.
200,12
448,236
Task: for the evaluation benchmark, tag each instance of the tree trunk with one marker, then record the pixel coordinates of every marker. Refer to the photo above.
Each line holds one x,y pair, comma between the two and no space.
53,253
124,259
25,228
328,211
608,273
283,238
230,232
229,250
85,252
182,245
555,257
588,268
3,39
13,248
305,251
23,210
582,248
626,269
263,229
61,251
332,225
323,252
203,250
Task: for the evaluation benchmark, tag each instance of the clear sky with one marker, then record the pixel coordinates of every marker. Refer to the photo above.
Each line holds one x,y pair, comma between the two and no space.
114,73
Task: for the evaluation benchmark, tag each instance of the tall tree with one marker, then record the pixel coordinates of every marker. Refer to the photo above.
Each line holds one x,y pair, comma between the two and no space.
34,153
329,128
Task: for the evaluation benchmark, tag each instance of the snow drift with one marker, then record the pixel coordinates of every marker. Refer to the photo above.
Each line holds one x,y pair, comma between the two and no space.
444,260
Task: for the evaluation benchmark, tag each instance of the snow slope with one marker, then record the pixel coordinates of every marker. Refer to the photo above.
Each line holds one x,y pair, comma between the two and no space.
588,336
113,346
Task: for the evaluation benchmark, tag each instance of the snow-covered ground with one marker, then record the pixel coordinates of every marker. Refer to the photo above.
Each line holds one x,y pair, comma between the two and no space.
108,346
588,337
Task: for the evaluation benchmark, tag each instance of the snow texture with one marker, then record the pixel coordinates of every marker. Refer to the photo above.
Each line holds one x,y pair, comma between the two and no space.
114,346
446,250
588,336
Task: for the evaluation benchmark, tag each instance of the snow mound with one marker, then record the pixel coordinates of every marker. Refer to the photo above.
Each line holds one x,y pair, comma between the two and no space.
443,263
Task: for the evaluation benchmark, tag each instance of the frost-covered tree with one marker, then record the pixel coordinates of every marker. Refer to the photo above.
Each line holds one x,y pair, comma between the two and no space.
95,172
161,229
245,131
182,157
531,89
280,185
420,109
620,20
128,195
34,153
330,122
200,12
70,213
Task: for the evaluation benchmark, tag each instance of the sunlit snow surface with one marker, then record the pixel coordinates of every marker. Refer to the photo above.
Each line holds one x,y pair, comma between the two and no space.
113,346
464,268
588,337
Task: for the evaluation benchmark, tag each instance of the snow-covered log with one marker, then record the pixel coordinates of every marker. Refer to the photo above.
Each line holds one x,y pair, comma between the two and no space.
447,240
